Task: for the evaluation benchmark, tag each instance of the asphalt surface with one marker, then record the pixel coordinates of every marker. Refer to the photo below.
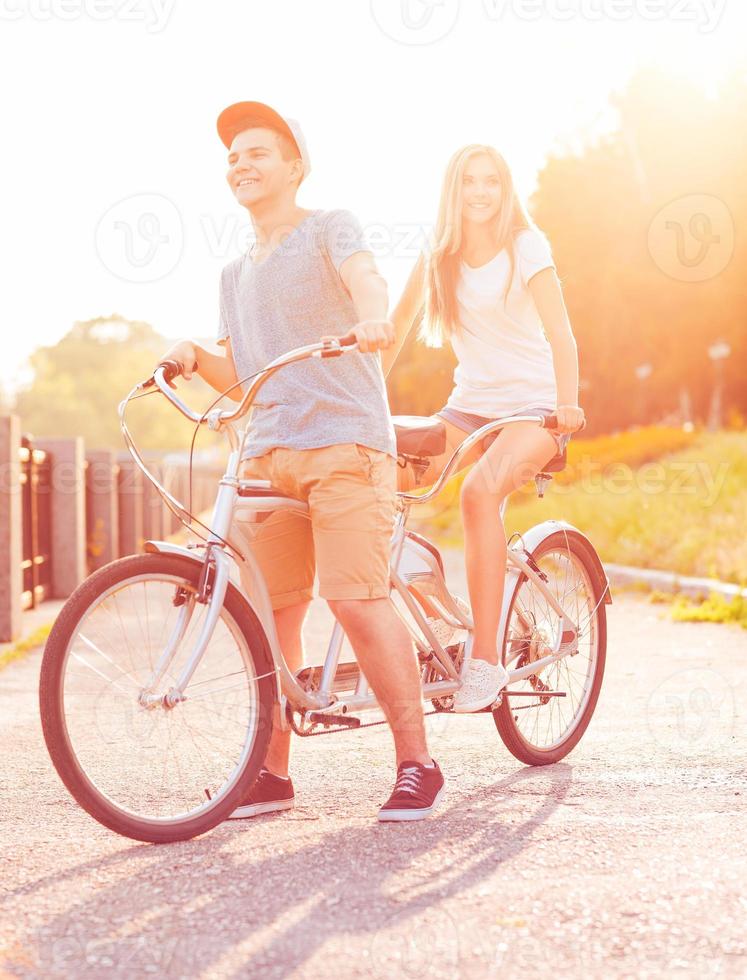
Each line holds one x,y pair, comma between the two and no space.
625,860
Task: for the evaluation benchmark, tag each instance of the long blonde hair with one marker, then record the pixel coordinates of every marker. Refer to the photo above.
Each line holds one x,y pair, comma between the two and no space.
442,268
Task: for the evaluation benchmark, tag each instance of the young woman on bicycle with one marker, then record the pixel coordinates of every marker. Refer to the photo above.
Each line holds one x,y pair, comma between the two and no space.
489,286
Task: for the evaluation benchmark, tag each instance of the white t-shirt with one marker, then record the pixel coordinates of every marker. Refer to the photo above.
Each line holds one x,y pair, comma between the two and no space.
505,360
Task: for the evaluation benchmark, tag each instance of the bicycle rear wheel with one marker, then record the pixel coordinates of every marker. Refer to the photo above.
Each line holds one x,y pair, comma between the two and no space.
146,770
541,730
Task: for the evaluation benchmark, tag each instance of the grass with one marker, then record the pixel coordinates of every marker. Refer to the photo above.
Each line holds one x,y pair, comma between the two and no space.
714,609
24,646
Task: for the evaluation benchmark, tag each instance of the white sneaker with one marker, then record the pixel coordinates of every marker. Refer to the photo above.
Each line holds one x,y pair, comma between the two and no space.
482,684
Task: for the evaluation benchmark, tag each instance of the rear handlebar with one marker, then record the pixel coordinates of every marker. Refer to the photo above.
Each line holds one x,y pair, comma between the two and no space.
551,422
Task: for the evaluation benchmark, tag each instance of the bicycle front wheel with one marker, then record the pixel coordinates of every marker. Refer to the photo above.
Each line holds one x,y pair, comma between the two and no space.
143,768
541,728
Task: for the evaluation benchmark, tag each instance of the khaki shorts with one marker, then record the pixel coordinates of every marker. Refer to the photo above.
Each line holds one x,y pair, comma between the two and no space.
351,493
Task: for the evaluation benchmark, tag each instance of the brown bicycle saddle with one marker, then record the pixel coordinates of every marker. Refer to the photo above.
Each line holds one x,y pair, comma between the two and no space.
419,436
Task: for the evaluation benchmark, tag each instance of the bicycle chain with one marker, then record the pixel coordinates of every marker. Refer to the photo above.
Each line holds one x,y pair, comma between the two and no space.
344,728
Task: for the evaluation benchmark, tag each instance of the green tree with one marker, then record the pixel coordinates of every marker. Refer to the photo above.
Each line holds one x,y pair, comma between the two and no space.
597,208
78,383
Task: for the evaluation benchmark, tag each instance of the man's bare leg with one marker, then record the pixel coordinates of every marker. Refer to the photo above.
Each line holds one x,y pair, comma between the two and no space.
289,626
384,651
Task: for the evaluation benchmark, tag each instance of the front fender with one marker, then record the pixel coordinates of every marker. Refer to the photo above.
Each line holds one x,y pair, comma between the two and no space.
168,548
194,554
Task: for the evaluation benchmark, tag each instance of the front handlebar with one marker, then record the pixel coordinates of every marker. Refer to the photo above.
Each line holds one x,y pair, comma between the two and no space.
168,370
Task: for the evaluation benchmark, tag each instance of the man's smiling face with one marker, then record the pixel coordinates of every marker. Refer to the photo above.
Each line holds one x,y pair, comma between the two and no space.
257,169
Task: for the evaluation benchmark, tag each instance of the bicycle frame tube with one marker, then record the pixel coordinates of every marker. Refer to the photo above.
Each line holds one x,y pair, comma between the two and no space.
566,627
172,645
221,564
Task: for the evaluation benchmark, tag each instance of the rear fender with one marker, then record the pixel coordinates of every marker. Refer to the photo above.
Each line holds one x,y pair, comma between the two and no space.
537,534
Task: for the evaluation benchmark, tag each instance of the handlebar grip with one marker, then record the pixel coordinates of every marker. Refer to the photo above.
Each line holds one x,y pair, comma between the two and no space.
336,346
171,370
551,422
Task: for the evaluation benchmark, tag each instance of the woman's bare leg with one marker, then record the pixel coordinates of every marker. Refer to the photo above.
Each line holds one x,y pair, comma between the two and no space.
517,454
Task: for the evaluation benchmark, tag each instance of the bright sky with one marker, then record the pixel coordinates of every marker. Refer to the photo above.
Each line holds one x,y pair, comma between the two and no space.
114,197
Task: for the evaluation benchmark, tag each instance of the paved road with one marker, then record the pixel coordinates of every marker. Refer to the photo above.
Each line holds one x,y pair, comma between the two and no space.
626,860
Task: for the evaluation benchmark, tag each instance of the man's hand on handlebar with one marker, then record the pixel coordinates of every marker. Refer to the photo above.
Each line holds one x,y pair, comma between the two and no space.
371,335
184,353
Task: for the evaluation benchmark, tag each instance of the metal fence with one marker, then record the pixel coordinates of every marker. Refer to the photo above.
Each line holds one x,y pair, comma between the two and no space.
65,512
37,525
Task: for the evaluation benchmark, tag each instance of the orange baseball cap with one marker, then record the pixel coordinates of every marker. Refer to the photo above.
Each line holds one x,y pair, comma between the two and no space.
234,118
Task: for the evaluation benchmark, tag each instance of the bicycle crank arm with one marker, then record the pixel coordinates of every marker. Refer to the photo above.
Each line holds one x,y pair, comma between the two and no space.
534,694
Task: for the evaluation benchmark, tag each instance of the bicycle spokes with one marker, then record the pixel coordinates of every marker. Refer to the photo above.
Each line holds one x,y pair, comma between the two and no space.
549,702
150,752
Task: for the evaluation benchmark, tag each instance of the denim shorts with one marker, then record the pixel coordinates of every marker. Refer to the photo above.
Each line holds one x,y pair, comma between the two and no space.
470,423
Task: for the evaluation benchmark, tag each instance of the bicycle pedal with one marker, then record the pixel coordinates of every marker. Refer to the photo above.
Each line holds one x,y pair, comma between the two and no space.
329,721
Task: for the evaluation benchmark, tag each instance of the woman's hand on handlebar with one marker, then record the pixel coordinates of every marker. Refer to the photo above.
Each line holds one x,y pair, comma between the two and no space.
571,418
184,353
371,335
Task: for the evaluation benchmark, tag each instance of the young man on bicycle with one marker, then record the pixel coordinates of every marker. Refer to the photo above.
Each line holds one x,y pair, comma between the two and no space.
322,433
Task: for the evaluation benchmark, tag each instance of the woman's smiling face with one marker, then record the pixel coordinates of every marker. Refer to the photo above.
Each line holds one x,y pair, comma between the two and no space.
481,190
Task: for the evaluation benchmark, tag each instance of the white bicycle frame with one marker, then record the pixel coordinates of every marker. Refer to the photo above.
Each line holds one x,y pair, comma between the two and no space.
415,573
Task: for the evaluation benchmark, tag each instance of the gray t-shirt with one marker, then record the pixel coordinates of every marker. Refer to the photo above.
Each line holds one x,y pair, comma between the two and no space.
292,298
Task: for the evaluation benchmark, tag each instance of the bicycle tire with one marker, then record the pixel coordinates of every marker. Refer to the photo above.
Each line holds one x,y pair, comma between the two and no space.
504,715
51,700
